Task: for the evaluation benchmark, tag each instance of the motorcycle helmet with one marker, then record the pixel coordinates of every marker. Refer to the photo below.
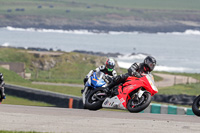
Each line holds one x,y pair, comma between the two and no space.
110,64
149,63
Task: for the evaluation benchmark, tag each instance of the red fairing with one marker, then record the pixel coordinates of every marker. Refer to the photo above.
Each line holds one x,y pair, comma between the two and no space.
130,85
140,82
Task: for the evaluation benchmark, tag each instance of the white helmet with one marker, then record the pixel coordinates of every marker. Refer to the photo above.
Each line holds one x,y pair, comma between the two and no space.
110,64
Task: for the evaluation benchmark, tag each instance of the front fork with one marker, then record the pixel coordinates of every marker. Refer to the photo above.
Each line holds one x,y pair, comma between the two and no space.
137,97
84,94
140,93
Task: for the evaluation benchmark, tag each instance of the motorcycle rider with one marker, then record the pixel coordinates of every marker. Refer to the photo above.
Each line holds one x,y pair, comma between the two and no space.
2,84
135,70
108,68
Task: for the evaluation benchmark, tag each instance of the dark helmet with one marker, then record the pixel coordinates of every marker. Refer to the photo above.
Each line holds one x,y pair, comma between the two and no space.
1,76
149,63
110,64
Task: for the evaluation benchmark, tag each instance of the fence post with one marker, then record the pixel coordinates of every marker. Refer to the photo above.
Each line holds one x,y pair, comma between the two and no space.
187,80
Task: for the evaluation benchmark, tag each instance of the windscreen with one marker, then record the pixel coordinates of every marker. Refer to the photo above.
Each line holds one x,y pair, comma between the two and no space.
151,81
99,74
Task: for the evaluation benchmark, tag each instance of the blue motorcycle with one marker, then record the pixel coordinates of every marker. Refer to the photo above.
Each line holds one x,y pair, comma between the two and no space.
96,80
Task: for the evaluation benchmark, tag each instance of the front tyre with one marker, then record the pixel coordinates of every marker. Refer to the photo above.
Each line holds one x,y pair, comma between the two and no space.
84,95
196,106
95,99
136,104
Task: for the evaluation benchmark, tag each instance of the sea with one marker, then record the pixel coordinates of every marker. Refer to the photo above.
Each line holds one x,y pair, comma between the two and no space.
174,51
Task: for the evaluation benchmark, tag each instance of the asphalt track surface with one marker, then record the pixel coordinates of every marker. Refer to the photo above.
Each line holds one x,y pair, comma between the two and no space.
65,120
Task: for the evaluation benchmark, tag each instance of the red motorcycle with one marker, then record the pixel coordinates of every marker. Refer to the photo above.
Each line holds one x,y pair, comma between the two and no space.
134,95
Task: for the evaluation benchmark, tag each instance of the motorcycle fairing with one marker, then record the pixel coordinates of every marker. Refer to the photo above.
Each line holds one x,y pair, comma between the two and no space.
133,83
124,93
88,83
95,80
114,102
146,82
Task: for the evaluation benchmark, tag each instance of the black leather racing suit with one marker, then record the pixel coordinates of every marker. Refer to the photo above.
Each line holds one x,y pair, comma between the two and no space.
135,70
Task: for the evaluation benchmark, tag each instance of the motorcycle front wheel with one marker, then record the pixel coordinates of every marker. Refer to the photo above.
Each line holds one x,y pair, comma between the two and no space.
95,99
86,94
136,104
196,106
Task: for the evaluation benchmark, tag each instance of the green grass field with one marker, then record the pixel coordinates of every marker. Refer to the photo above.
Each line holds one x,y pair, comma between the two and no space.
82,12
99,6
22,101
189,89
69,67
4,131
13,78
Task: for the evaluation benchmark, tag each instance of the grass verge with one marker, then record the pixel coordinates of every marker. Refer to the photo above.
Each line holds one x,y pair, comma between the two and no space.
189,89
21,101
4,131
76,91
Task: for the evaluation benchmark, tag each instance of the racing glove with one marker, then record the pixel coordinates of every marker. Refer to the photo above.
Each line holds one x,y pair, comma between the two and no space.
133,72
85,80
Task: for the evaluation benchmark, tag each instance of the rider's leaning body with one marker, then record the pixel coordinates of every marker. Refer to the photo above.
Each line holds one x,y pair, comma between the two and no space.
135,70
108,68
103,69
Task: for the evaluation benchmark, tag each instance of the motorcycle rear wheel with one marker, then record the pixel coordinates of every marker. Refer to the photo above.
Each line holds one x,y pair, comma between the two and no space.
196,106
94,100
135,106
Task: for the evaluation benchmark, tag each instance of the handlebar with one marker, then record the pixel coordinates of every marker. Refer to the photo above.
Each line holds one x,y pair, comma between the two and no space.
138,75
105,79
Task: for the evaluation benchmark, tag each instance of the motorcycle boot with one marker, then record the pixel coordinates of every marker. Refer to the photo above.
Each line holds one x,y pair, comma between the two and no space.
115,91
2,94
82,91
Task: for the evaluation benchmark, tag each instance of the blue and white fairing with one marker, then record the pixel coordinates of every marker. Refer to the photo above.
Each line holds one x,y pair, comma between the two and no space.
96,80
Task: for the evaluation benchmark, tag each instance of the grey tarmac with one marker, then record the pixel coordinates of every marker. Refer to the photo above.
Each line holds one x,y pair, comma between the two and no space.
65,120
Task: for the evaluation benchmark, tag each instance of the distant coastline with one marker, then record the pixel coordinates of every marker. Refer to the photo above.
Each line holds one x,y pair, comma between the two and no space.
194,31
108,28
98,16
